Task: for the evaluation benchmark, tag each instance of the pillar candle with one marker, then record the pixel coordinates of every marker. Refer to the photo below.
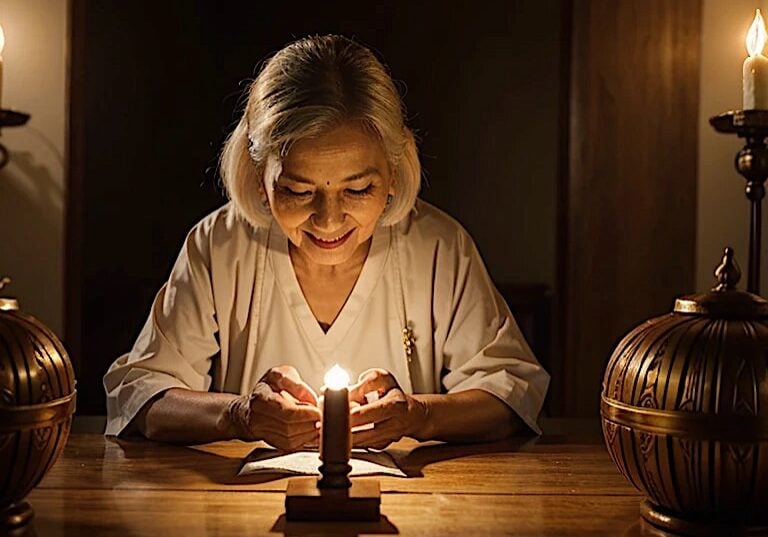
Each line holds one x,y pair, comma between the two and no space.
755,81
336,444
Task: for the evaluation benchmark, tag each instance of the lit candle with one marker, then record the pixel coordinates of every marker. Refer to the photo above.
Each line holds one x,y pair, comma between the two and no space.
336,442
755,82
2,45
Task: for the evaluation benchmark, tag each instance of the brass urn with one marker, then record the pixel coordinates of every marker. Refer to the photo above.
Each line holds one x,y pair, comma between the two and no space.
37,400
685,411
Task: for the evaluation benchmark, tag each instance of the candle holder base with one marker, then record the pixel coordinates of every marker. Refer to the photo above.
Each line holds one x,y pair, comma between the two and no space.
306,502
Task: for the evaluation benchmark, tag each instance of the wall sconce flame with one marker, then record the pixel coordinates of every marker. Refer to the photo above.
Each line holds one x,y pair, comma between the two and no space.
336,378
756,36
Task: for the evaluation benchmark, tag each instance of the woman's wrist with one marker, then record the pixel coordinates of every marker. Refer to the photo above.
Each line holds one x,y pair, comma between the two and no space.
423,428
469,416
232,422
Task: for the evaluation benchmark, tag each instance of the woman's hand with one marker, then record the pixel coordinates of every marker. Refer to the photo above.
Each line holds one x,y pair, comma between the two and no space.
394,415
281,409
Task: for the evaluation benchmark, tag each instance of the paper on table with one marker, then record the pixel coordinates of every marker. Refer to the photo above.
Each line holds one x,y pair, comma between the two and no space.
270,461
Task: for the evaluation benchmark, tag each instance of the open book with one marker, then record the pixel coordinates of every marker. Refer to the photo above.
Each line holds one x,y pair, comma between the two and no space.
272,461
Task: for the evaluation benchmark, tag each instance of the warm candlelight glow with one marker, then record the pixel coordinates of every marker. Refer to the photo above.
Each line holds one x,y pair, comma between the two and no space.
756,35
2,40
336,378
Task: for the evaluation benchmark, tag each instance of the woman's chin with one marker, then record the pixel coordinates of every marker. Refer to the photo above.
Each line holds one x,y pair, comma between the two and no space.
322,255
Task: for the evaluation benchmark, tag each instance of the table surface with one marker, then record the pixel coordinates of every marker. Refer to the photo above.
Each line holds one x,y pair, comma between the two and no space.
557,484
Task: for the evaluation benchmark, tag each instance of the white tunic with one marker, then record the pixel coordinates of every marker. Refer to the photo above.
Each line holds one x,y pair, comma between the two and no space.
232,309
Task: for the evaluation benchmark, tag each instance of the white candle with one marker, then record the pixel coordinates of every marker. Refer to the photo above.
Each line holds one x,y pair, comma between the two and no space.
755,82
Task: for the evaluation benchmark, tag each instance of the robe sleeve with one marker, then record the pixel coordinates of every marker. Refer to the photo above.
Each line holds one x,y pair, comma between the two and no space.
176,344
484,348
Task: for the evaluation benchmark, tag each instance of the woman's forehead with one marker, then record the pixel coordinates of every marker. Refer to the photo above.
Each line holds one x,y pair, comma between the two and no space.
339,154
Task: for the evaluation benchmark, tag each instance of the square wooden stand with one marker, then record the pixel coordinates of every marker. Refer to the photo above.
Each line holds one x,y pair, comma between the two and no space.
304,501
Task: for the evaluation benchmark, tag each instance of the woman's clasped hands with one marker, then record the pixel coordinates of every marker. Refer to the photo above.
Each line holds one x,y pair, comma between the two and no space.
281,410
393,413
285,412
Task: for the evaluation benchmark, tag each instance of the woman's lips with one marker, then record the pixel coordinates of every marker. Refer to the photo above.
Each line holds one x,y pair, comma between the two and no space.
329,245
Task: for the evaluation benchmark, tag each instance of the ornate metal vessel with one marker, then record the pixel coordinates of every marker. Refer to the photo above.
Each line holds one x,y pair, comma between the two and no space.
37,400
685,411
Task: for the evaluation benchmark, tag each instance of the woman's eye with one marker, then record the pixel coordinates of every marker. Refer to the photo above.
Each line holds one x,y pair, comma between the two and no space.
296,193
360,192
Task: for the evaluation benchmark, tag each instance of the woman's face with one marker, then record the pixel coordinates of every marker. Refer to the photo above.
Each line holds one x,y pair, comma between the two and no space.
330,193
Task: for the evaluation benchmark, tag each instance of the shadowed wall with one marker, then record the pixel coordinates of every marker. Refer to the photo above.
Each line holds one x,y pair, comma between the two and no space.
156,87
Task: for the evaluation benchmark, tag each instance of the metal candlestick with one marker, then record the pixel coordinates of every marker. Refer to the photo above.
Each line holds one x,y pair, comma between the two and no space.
752,163
10,118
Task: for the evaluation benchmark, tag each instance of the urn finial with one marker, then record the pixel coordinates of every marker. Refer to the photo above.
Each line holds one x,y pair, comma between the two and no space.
7,303
727,273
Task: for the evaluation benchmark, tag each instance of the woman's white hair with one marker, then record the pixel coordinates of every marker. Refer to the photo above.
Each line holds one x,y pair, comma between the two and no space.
306,89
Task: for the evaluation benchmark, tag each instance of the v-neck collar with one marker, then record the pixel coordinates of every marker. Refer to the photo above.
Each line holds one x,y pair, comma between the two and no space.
285,275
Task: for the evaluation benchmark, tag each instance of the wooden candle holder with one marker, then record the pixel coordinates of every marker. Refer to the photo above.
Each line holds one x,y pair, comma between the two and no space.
306,501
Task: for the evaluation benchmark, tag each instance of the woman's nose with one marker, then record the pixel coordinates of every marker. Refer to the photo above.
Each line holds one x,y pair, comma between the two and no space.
329,212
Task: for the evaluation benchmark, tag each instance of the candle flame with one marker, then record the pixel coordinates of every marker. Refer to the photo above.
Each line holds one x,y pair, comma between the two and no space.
336,378
756,36
2,40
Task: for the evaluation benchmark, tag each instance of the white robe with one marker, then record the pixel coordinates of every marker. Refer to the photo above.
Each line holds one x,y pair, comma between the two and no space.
232,308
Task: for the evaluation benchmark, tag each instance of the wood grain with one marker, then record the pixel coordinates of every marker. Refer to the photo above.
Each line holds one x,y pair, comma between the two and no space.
541,486
536,466
193,513
630,200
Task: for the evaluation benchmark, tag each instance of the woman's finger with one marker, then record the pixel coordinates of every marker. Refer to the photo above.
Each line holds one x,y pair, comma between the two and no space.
373,380
289,430
384,433
380,410
290,382
290,442
279,408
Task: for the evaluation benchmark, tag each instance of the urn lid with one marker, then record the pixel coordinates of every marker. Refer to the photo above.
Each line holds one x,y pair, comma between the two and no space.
724,300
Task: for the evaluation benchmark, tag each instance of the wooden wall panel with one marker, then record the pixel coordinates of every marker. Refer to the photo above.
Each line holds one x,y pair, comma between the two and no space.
629,199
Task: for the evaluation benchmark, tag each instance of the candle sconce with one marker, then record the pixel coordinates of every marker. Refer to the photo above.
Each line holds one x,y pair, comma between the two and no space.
752,163
10,118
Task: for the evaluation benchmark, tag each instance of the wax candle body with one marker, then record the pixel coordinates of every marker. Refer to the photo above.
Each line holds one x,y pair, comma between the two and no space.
756,82
336,445
336,441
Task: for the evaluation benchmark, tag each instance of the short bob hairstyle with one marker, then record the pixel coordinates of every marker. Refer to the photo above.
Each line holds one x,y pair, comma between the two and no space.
306,89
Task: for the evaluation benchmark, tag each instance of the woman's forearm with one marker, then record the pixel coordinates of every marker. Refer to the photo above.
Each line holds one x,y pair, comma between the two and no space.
469,416
186,416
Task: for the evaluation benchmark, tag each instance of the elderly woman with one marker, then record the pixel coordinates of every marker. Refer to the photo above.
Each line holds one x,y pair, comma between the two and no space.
325,255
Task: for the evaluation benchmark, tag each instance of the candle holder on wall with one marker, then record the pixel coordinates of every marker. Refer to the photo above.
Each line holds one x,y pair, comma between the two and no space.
752,163
10,118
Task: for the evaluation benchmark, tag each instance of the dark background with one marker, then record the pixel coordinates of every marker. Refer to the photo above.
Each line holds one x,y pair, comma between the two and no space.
156,87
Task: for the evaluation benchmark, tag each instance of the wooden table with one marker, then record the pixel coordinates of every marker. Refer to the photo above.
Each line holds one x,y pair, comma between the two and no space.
552,485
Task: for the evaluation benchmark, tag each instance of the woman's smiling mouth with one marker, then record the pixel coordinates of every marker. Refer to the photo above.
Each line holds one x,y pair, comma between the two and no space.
329,244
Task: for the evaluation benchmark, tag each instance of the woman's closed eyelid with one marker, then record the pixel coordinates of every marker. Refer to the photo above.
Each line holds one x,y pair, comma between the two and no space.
292,192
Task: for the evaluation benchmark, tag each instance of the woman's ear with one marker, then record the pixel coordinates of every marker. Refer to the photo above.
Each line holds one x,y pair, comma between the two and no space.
263,195
272,170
